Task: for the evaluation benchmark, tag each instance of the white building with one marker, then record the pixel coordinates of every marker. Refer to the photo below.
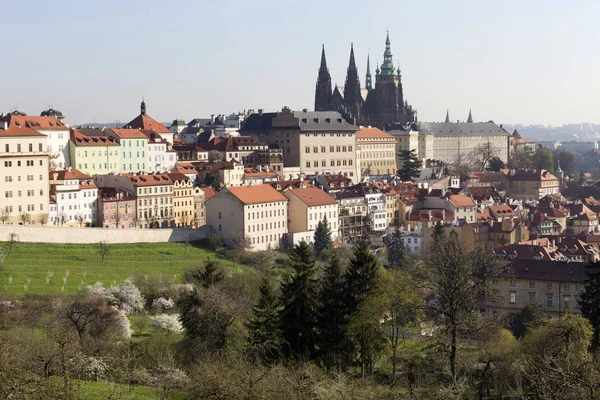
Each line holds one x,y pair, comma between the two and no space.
308,205
160,157
256,215
462,206
73,198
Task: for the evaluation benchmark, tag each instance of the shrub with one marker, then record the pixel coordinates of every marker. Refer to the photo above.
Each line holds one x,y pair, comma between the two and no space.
167,322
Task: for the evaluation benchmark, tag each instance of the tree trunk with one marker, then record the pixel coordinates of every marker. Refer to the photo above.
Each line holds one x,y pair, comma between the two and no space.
453,351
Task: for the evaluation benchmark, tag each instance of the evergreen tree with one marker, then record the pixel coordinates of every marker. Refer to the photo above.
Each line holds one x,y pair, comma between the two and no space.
362,287
335,350
323,236
411,165
589,301
263,327
396,252
438,232
299,299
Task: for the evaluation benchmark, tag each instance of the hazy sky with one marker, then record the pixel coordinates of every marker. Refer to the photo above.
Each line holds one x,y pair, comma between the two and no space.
531,62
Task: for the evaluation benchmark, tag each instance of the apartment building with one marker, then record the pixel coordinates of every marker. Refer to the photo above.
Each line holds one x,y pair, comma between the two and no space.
201,196
93,152
308,205
116,208
377,152
462,207
312,142
134,149
183,200
23,175
254,215
57,134
531,184
161,158
74,196
352,216
154,194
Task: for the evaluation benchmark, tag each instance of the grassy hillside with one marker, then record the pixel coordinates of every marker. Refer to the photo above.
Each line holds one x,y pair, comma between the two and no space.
52,268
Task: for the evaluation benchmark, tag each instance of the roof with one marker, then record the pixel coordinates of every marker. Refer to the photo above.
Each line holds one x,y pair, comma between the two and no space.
531,175
41,123
128,133
208,192
464,128
502,210
68,174
149,179
460,200
143,121
372,133
312,196
80,137
430,215
549,270
177,176
328,121
232,143
255,194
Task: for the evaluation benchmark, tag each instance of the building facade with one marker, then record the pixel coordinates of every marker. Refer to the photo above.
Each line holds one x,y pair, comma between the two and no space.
75,197
377,152
134,149
92,152
116,209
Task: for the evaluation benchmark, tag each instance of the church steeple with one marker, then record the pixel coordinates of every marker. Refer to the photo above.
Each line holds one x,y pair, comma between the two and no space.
387,68
447,116
368,82
143,107
470,119
323,90
352,96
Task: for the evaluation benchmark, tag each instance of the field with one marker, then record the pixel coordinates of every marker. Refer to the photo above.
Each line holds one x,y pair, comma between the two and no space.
51,268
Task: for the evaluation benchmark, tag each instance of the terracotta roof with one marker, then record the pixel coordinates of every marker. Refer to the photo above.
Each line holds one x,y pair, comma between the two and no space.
372,133
282,186
255,194
460,200
65,174
35,123
87,184
79,138
145,122
15,131
312,196
502,210
208,192
254,173
526,252
128,133
430,215
150,179
177,176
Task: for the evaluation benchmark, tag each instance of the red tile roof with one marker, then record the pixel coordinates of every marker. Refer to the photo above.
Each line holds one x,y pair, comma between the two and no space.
312,196
255,194
372,133
128,133
145,122
150,179
546,270
460,200
66,174
79,138
208,192
36,123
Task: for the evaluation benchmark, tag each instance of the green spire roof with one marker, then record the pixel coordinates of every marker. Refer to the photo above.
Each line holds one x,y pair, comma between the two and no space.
387,67
558,168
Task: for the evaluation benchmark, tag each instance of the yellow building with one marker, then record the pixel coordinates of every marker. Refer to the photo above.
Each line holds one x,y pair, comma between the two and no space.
377,152
183,200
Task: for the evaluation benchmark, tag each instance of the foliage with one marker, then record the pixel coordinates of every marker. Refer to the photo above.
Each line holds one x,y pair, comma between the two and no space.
496,164
521,158
299,306
396,252
483,154
410,168
542,159
589,300
214,241
529,317
322,237
167,322
161,304
263,326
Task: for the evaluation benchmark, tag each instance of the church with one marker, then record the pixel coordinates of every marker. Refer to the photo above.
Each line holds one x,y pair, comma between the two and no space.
382,106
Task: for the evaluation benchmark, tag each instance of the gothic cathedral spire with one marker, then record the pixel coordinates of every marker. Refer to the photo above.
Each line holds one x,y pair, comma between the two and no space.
368,82
352,96
323,91
447,116
470,119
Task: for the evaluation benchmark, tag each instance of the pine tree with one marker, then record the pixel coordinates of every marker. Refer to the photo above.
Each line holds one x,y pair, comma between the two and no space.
299,312
362,287
323,236
263,327
396,252
589,301
438,232
335,350
411,165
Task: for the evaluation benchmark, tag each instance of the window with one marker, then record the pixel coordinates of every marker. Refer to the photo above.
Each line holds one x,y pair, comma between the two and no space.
512,283
513,297
40,149
549,299
307,149
219,217
566,300
308,164
531,283
566,286
549,285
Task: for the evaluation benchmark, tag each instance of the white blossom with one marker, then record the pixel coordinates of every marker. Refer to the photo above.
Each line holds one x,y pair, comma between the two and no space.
161,304
167,322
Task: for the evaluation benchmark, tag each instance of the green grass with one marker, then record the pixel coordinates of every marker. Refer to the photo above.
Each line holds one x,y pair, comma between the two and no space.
67,268
90,390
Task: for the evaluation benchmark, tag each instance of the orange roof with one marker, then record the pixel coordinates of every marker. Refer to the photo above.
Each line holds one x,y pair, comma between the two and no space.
36,123
256,194
208,192
81,139
66,174
460,200
145,122
312,196
128,133
372,133
150,179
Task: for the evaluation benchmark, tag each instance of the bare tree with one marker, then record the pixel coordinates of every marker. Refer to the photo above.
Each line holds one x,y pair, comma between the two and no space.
24,217
4,215
215,155
80,218
44,218
62,218
103,250
483,154
13,238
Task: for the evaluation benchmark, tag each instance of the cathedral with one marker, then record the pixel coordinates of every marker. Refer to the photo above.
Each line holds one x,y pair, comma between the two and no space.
382,106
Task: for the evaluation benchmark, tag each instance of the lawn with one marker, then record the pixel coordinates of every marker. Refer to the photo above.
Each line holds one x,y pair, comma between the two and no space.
54,268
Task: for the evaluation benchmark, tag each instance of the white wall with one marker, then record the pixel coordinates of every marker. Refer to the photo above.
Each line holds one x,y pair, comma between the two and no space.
51,234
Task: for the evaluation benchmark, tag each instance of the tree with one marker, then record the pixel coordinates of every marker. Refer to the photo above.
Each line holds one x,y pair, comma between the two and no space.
542,159
396,252
483,154
103,250
212,181
299,305
362,286
214,156
496,164
80,218
209,276
521,158
263,326
323,237
335,349
44,218
13,239
589,300
529,317
4,215
565,158
24,217
167,322
411,165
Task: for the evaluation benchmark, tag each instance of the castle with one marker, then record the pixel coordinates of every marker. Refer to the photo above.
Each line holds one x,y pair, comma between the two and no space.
382,106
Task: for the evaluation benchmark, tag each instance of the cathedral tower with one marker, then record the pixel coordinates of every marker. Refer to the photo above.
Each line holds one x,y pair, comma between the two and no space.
323,91
352,97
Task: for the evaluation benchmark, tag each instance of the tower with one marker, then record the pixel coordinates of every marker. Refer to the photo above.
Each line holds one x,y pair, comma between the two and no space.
143,107
447,116
470,118
352,97
323,90
368,83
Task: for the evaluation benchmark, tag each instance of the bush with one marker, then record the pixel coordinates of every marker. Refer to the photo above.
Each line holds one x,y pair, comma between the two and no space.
213,241
161,304
167,322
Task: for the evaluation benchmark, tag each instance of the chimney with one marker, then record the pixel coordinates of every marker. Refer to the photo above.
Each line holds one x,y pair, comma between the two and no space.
429,214
443,214
260,111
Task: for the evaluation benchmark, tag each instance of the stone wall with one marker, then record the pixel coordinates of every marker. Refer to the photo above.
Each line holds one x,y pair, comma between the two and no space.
52,234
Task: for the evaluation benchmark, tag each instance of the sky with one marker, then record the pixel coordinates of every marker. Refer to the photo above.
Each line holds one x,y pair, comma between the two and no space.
510,61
